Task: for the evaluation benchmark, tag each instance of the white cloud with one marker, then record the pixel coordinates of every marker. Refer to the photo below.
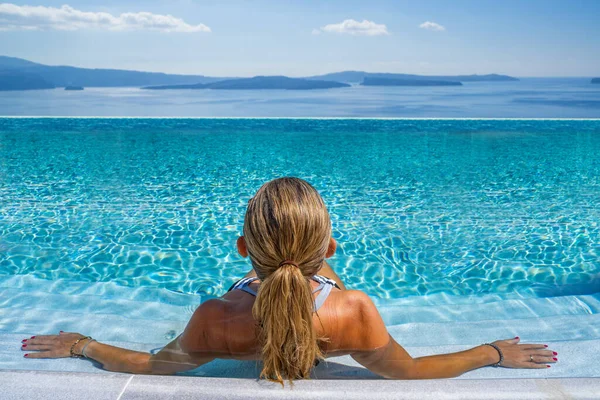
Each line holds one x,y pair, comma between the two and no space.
352,27
432,26
67,18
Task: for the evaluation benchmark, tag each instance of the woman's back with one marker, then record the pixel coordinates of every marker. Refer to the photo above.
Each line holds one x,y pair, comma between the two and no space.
227,323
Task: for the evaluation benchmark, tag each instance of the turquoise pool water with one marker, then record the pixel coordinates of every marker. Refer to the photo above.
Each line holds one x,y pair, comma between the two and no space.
419,207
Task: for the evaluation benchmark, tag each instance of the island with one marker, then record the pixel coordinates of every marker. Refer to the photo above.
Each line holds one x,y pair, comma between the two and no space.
74,88
596,80
406,82
359,76
259,82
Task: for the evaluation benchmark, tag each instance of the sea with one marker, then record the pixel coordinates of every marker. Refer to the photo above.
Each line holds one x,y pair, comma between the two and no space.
527,98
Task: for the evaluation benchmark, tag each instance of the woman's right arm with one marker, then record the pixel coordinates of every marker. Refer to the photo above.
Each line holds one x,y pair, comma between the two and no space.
177,356
381,354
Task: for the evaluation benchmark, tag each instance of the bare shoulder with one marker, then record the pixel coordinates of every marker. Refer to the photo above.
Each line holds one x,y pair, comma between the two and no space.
222,326
358,301
210,310
355,304
360,321
199,332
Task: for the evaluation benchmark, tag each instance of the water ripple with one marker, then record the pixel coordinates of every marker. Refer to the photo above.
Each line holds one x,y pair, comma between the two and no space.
418,207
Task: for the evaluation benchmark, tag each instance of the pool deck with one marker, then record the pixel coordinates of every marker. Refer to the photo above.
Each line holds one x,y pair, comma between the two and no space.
44,385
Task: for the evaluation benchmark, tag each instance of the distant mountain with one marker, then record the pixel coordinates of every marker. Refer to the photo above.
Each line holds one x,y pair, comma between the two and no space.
17,80
33,75
596,80
359,76
87,77
259,82
406,82
13,62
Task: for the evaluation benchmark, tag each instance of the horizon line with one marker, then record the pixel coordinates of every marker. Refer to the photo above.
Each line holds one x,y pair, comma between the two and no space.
302,118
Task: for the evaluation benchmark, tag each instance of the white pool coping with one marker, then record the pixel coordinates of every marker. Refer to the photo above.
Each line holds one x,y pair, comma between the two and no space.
44,385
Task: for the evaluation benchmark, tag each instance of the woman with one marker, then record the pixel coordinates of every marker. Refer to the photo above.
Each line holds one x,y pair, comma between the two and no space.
290,312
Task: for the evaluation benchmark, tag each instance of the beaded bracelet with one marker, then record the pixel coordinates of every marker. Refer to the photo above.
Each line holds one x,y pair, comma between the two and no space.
498,364
74,344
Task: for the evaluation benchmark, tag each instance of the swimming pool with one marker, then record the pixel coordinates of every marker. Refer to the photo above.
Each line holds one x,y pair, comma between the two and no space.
136,219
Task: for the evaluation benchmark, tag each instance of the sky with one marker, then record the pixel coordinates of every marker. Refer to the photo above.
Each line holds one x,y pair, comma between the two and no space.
303,37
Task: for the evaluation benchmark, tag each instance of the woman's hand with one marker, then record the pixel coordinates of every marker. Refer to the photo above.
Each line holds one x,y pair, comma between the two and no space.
53,346
525,355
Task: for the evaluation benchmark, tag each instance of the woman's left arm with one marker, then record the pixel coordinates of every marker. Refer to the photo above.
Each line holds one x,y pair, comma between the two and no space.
169,360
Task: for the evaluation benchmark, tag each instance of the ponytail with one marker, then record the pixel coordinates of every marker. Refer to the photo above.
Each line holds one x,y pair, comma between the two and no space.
284,312
286,220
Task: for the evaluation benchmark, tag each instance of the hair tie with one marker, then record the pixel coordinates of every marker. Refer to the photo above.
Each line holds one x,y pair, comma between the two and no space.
288,262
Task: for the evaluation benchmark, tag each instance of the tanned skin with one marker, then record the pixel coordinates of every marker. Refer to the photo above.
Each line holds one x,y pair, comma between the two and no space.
224,328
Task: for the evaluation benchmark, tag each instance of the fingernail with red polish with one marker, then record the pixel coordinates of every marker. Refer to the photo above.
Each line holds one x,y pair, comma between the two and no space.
26,355
545,345
555,353
548,366
24,345
61,331
23,341
516,337
555,359
33,337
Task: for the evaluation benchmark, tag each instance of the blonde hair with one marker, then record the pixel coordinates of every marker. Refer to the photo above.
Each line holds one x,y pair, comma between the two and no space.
286,220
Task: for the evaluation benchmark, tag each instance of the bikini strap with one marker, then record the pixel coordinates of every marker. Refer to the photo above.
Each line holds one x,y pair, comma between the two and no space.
325,286
243,284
